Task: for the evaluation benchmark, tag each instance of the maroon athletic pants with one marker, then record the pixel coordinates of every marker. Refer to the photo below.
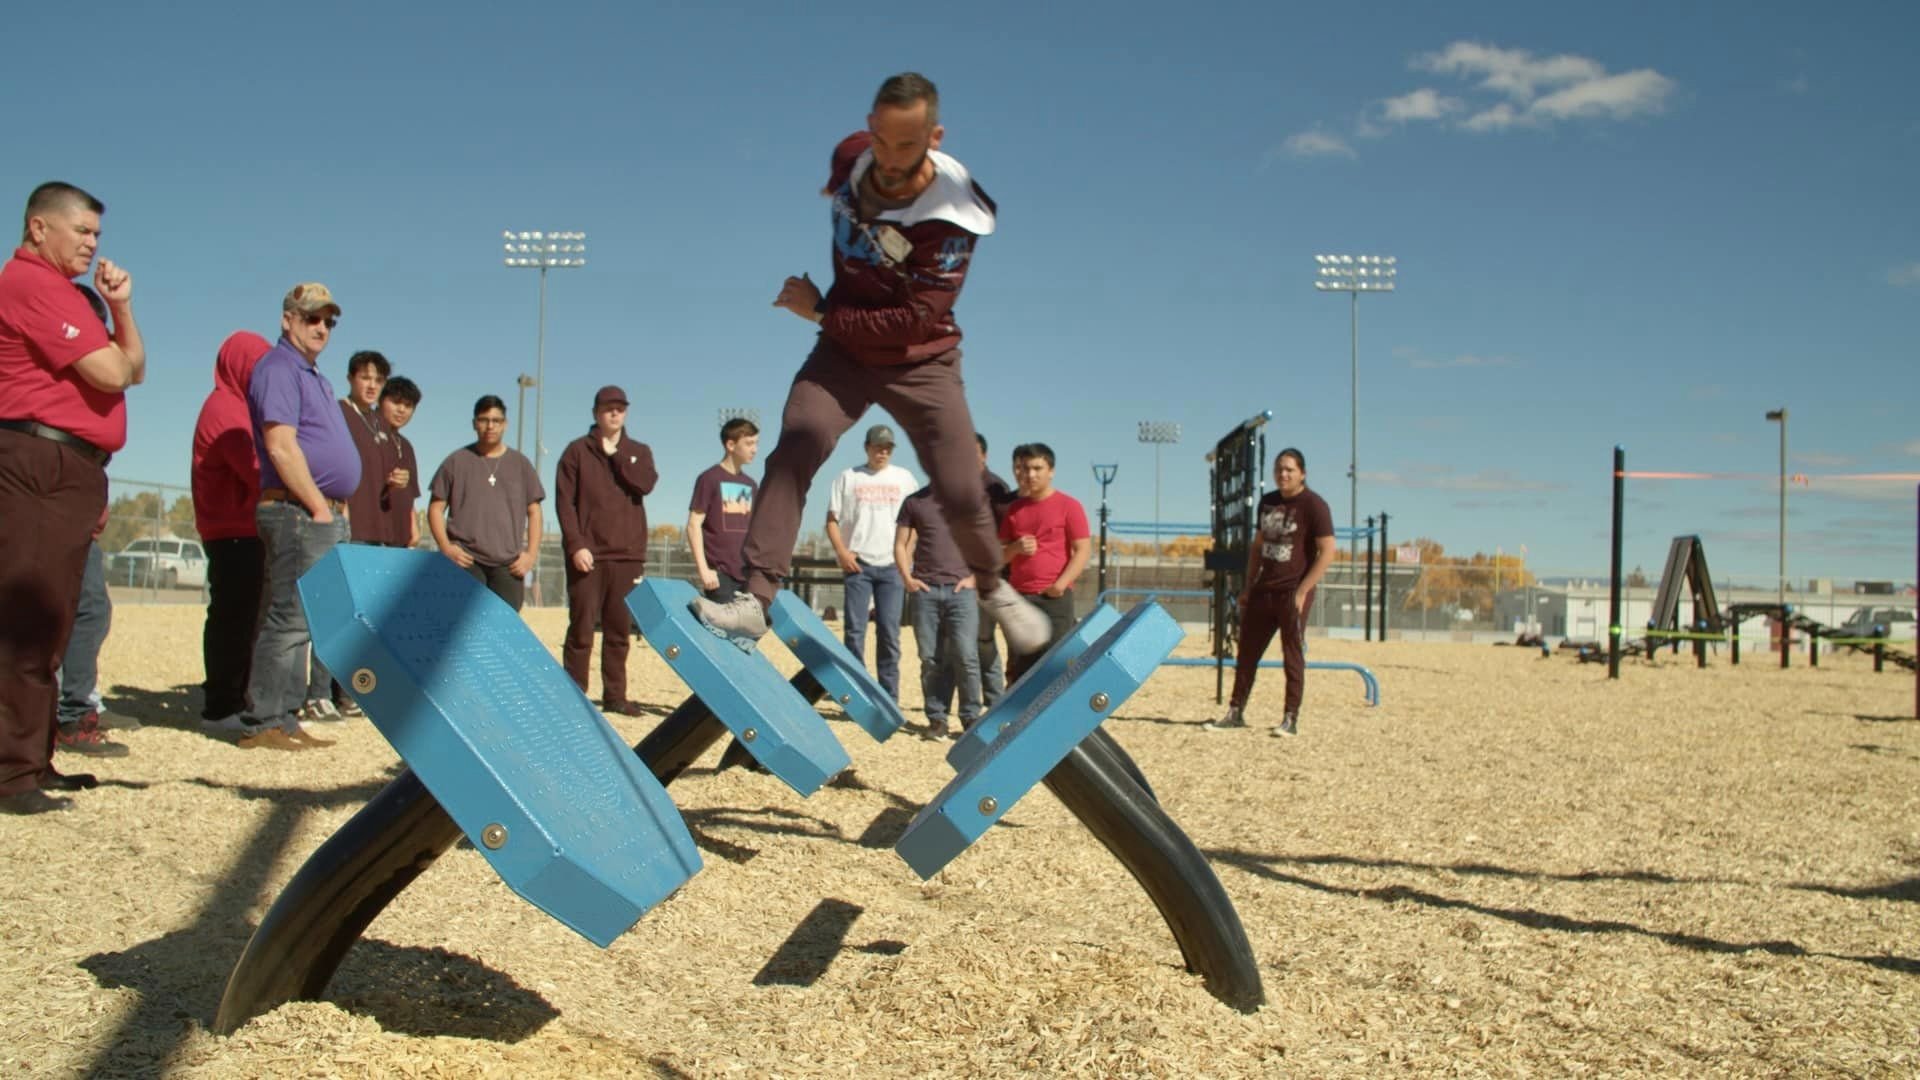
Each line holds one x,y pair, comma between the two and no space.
50,498
828,396
600,597
1270,610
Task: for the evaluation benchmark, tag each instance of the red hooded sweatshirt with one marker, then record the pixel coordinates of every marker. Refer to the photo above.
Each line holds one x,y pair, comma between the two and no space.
226,474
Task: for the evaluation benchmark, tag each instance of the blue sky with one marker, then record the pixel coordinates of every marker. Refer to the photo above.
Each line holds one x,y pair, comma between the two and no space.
1637,223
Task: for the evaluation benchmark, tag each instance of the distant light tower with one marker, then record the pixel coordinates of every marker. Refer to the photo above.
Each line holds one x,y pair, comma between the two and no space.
1159,433
543,251
1780,414
520,429
1353,275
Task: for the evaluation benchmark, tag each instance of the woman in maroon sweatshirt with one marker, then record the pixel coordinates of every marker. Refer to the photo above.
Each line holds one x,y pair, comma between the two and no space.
226,489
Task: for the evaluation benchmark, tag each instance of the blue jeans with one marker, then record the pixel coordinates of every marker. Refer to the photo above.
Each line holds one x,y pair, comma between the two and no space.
284,676
946,626
80,667
879,586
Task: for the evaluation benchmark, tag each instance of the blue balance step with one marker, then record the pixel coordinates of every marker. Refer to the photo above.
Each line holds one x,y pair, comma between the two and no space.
776,725
1103,676
827,660
1031,684
551,796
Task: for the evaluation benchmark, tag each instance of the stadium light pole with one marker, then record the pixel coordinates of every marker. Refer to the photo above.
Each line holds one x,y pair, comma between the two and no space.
543,251
1780,414
520,430
1353,275
1159,433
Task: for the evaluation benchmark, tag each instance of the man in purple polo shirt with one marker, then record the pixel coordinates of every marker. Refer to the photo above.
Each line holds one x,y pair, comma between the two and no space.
308,469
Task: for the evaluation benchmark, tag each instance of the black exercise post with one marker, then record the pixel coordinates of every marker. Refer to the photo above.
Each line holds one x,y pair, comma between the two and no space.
1368,602
1619,521
1879,658
1813,649
1786,633
1104,474
1383,575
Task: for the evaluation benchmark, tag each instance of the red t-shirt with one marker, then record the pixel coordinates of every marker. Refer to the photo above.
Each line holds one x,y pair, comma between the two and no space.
45,325
1054,522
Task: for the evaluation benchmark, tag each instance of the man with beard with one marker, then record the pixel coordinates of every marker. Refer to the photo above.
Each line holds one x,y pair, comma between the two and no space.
905,219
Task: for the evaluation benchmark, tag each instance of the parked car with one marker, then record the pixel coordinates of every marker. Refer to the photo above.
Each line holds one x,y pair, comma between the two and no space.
1894,622
159,564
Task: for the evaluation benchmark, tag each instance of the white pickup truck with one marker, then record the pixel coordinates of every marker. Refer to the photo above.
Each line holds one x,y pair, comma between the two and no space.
159,564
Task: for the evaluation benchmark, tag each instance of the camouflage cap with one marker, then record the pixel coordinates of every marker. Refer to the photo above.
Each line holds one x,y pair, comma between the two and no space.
310,298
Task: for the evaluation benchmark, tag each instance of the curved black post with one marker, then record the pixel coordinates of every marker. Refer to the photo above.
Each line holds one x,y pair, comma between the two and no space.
1178,878
358,871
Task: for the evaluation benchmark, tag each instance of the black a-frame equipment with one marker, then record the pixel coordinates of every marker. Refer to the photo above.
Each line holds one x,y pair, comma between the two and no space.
1686,567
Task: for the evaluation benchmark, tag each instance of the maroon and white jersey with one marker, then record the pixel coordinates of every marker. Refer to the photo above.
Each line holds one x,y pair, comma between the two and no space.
897,275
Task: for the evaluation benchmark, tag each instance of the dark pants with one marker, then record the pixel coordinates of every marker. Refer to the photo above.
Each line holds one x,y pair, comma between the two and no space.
1269,610
50,499
1059,612
993,677
724,592
80,665
287,673
500,581
236,584
599,596
828,396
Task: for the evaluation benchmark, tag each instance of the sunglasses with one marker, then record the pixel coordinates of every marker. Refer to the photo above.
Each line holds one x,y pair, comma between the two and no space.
315,320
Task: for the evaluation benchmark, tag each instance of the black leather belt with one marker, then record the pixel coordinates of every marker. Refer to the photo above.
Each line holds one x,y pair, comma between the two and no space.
53,434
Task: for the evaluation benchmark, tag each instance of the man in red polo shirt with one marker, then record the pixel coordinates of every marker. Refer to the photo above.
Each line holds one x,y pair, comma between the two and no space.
62,415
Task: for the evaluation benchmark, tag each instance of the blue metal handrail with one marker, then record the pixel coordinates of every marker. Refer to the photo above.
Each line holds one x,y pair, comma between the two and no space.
1371,683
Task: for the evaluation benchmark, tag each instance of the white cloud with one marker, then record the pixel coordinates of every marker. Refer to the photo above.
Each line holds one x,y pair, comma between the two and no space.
1310,144
1498,118
1539,91
1796,85
1614,97
1905,276
1911,449
1513,72
1425,103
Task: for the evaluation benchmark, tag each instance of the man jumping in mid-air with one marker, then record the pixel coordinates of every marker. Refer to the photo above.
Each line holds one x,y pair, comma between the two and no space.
905,218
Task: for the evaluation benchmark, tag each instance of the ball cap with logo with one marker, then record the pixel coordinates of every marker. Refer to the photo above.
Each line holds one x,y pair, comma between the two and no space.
879,435
310,298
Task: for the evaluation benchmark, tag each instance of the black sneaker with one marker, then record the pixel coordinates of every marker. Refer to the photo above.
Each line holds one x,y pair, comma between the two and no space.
1289,726
52,779
33,802
1233,719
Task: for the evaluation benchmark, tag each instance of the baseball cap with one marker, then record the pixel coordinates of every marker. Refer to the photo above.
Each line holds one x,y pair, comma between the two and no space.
879,435
310,298
610,395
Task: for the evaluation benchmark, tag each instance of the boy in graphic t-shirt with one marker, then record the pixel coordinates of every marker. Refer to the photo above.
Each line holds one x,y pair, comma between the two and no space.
718,514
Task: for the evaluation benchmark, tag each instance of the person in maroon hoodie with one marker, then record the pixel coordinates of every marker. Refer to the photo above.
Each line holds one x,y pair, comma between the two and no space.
226,489
905,219
600,486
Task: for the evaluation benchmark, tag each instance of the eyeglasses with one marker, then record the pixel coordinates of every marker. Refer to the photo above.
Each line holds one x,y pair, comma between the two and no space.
315,320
